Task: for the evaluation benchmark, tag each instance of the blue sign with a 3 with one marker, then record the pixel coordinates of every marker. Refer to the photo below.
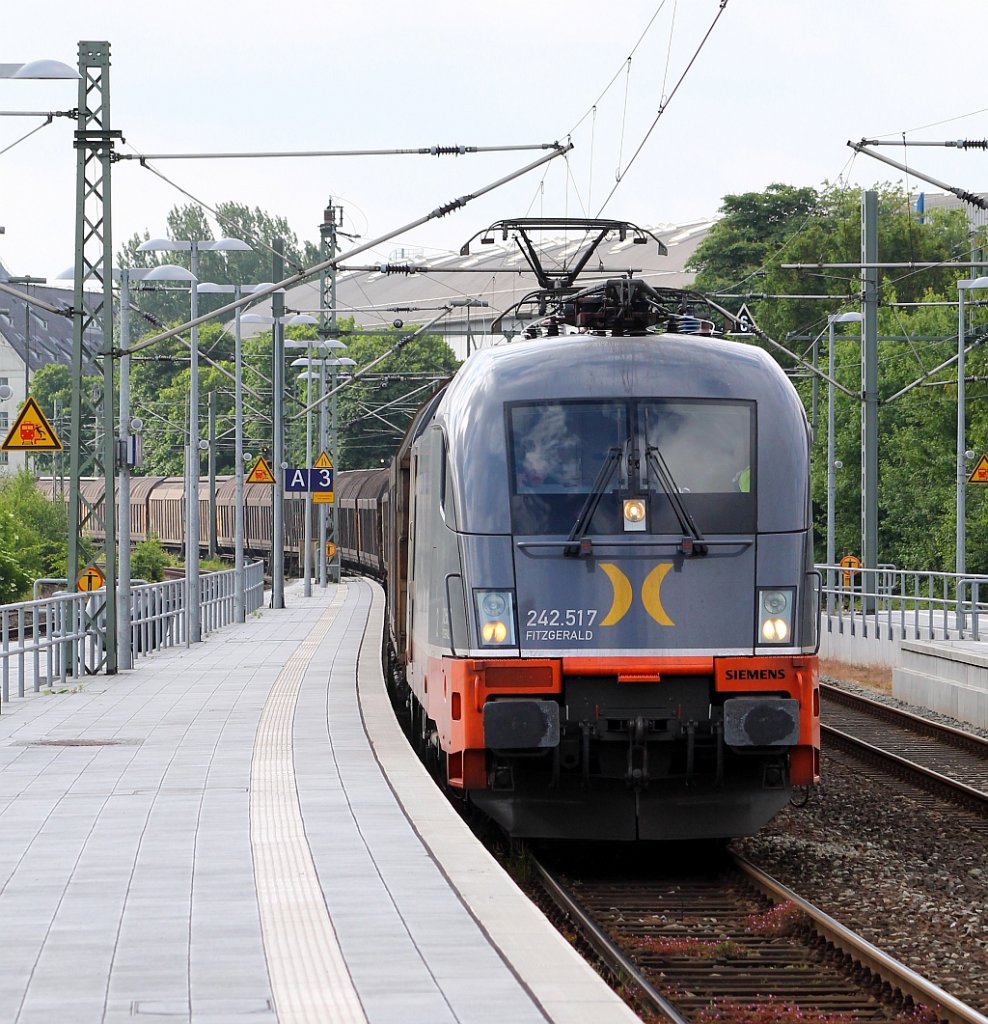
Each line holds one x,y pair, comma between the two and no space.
298,479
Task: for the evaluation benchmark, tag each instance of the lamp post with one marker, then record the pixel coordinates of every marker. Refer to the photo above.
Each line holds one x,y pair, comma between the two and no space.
961,549
124,652
128,426
838,318
308,376
335,364
278,324
239,460
193,247
323,345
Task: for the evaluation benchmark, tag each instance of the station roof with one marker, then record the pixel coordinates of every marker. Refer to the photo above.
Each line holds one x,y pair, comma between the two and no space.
413,282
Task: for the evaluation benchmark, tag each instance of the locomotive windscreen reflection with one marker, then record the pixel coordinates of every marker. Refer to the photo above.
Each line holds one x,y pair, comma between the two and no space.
558,448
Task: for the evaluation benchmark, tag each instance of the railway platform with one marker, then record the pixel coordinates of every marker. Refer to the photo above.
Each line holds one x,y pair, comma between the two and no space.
238,833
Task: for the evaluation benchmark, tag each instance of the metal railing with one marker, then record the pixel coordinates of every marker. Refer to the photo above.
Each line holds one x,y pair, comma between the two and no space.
46,642
887,603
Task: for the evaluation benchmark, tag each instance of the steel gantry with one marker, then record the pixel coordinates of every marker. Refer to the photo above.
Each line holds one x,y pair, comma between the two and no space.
92,311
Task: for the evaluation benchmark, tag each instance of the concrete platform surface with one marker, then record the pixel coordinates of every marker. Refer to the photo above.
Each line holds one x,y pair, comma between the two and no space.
237,833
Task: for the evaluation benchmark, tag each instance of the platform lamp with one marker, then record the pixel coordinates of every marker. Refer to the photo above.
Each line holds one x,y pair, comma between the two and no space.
129,428
835,318
239,458
278,447
43,68
327,515
128,444
193,247
961,552
305,318
308,376
335,364
323,345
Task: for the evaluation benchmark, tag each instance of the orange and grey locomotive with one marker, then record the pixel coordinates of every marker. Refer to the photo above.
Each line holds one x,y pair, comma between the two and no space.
602,598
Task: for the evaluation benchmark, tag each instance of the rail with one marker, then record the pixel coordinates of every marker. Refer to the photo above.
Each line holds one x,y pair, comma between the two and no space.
886,603
53,642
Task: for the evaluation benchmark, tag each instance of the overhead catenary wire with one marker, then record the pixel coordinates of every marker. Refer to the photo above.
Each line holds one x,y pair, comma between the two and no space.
28,135
317,268
663,106
260,154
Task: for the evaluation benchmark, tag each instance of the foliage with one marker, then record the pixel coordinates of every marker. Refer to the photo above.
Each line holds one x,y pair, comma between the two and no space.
372,412
164,303
39,540
15,583
149,560
917,427
745,250
375,412
51,386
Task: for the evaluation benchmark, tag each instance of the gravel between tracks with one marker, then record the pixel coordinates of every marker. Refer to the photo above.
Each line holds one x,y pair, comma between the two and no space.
880,863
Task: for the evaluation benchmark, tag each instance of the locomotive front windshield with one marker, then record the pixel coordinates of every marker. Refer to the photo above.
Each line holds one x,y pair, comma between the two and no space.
561,452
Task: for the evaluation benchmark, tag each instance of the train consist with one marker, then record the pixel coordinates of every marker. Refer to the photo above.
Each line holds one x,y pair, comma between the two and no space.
596,540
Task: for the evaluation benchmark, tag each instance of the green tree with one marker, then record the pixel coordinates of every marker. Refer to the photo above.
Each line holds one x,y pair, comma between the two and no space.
51,386
160,396
375,412
34,534
917,430
169,303
759,232
15,583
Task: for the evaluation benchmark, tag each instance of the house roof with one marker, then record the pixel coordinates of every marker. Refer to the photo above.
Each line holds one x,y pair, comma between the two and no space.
40,337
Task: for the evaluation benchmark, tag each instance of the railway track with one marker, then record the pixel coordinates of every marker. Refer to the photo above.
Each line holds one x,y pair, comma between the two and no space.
943,760
731,944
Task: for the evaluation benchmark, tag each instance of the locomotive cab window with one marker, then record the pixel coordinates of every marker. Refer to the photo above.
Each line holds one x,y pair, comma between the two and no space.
631,454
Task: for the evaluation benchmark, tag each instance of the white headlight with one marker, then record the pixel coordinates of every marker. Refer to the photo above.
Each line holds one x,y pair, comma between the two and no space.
495,617
775,615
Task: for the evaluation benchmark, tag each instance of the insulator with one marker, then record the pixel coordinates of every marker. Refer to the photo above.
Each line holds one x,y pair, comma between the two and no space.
453,204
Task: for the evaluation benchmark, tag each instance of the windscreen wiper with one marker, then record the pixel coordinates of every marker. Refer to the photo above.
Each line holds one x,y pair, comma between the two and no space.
692,542
577,543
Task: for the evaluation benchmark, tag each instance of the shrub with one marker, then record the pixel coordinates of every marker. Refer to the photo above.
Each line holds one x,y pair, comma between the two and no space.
149,560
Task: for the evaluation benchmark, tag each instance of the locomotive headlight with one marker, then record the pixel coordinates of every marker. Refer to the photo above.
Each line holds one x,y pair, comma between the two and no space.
634,514
775,614
496,617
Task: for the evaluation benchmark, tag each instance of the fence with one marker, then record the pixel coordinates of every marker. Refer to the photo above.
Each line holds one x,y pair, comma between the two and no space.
47,641
867,613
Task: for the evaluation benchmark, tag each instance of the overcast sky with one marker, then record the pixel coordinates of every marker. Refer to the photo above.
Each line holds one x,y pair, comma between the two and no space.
773,96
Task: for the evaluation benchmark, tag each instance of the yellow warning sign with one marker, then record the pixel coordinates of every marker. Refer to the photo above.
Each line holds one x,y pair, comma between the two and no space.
979,475
324,497
261,473
323,461
31,431
330,549
90,579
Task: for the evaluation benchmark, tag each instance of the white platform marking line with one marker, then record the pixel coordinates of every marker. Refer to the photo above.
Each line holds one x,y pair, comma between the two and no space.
309,978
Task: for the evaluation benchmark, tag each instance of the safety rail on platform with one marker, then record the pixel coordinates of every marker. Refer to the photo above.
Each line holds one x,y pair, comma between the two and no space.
46,642
887,603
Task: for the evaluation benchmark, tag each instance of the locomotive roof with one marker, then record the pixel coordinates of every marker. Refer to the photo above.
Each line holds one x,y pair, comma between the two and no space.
591,366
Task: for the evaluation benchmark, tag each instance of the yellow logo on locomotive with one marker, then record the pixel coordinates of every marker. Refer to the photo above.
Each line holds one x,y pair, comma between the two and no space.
623,595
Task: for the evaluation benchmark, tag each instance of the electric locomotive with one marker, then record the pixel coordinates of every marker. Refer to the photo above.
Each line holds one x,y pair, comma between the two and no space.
604,612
